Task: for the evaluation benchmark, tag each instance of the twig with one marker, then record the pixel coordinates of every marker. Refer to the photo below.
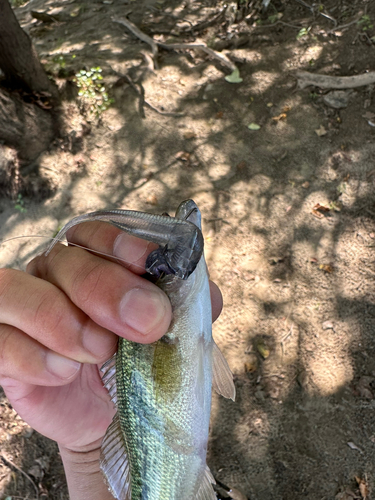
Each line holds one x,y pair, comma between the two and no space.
343,26
207,23
10,463
334,82
173,46
142,101
201,46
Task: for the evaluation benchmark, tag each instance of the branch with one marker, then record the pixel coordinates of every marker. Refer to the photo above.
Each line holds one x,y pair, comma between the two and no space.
334,82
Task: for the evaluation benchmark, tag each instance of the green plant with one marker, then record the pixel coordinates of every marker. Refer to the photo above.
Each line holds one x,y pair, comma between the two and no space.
365,23
20,204
18,3
303,32
92,90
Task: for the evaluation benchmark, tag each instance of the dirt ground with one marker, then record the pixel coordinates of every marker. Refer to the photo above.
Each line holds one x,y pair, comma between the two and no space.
298,326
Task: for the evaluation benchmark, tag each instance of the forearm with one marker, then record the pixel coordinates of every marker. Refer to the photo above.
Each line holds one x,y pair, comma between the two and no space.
84,477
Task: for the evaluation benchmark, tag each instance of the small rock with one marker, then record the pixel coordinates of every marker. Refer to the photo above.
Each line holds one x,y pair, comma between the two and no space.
328,325
337,99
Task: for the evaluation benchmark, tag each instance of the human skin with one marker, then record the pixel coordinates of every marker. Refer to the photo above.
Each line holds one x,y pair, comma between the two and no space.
59,322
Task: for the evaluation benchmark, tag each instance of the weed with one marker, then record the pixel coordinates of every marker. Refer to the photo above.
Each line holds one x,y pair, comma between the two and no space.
365,23
303,32
92,90
20,204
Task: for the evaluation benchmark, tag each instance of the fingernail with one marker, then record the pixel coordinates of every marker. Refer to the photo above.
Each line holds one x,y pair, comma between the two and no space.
143,309
98,343
60,366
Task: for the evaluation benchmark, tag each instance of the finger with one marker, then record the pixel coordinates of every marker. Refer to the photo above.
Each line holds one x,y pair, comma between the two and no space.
216,300
113,297
24,359
46,314
102,237
132,251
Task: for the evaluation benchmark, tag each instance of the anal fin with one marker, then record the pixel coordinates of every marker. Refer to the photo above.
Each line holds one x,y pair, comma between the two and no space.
205,491
114,461
222,378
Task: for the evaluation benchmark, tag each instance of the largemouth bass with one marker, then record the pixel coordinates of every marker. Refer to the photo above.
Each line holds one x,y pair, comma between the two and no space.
156,445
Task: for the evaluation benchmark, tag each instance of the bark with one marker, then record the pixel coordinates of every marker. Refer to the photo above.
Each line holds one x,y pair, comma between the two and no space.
18,59
24,126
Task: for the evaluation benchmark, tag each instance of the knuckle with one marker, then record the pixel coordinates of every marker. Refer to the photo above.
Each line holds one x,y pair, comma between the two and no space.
87,282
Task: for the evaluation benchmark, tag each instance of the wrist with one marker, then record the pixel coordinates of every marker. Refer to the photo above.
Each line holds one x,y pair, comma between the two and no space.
84,477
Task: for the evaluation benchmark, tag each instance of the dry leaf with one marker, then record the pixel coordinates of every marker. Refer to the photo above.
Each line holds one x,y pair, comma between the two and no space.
219,115
363,487
306,184
321,131
327,268
183,156
286,109
354,446
281,116
189,134
152,199
318,210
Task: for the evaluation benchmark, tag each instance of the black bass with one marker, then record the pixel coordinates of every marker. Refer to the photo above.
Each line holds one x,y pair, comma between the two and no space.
156,445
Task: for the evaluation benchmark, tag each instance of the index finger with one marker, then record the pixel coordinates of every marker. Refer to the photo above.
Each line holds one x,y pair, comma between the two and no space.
110,241
127,250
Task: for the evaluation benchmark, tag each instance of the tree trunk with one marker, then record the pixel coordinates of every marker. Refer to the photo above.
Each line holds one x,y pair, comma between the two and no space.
24,126
18,59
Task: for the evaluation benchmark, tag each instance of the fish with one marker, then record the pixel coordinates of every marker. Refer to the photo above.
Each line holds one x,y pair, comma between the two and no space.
156,445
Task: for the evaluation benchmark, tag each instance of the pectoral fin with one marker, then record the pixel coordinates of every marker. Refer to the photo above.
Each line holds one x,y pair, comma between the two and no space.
205,491
108,371
222,378
114,462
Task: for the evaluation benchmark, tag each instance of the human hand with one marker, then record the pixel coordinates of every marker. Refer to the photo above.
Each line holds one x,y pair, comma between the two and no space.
60,321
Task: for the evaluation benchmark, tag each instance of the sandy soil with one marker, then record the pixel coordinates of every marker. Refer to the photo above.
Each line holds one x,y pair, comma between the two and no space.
299,318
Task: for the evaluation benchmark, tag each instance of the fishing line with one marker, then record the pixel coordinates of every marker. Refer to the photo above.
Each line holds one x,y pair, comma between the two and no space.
74,245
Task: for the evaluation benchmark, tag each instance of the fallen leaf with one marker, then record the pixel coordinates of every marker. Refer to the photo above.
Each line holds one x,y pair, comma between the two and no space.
364,387
286,109
152,199
318,210
354,446
234,77
369,116
189,134
282,116
321,131
263,349
219,115
183,156
306,184
253,126
327,268
363,487
321,208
